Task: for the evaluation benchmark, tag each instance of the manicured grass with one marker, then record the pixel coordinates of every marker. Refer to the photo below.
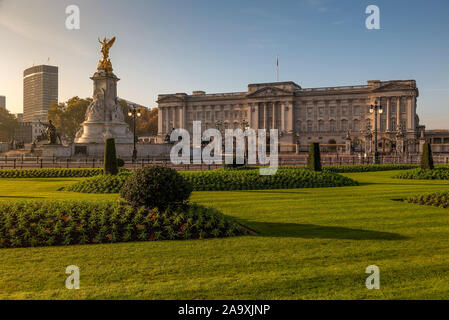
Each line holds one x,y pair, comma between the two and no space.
311,244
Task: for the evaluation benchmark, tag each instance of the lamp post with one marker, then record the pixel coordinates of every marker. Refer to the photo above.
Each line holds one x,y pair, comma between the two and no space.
135,113
245,126
376,109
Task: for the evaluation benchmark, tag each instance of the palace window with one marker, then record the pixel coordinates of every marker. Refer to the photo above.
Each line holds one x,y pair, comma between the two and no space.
309,112
226,114
332,126
320,126
356,125
402,108
208,115
217,115
309,126
344,125
393,124
383,125
332,111
344,111
393,109
356,110
321,111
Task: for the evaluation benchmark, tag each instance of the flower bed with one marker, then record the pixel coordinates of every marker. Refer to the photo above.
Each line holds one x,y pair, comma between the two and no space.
439,173
48,223
219,180
49,173
440,199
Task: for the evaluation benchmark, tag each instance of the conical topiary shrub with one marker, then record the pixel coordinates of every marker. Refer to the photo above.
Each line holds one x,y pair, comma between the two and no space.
110,157
314,160
426,157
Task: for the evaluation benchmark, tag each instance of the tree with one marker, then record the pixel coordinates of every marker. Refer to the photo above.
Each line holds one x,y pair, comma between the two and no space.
426,157
110,157
146,124
314,159
68,117
8,123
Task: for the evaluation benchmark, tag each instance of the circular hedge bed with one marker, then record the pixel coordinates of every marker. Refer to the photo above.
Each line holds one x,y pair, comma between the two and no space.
439,173
48,223
226,179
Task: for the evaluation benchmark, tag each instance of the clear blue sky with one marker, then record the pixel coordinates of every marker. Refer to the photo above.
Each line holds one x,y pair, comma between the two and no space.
221,46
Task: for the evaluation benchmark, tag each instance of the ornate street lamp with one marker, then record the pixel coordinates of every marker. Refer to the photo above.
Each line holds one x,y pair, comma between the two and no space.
375,109
245,126
135,113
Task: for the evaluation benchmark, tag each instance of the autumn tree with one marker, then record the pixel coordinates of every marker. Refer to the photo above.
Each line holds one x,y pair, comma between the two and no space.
8,123
67,117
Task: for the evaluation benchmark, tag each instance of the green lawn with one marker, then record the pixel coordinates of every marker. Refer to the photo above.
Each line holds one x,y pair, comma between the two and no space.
312,244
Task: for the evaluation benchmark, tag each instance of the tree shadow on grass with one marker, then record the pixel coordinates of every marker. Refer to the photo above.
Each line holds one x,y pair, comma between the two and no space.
311,231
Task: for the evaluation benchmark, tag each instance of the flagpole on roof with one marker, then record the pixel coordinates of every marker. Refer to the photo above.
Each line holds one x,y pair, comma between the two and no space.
277,68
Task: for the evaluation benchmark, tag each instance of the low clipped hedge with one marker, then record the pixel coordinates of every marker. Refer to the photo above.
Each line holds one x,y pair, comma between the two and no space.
221,180
49,223
368,168
440,199
100,184
441,173
285,178
49,173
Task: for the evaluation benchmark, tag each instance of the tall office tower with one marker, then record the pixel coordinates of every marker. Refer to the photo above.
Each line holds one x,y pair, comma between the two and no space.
3,102
40,89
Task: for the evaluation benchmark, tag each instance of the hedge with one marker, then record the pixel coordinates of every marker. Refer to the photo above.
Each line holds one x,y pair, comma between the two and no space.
439,173
110,157
49,173
100,184
49,223
440,199
314,158
368,167
220,180
426,157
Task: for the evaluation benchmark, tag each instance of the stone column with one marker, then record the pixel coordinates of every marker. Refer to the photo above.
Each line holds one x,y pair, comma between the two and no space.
398,112
379,116
167,120
410,115
183,111
160,128
283,105
256,116
388,113
265,115
290,117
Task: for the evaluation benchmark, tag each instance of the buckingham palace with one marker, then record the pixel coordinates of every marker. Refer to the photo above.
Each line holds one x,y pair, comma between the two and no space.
330,116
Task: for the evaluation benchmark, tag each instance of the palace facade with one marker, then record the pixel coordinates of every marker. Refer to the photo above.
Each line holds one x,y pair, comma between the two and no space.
329,116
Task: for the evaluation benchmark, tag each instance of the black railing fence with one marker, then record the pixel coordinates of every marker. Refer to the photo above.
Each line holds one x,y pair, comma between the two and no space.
22,162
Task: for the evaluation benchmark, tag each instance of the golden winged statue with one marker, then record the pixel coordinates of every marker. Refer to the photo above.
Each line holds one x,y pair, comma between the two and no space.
105,63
